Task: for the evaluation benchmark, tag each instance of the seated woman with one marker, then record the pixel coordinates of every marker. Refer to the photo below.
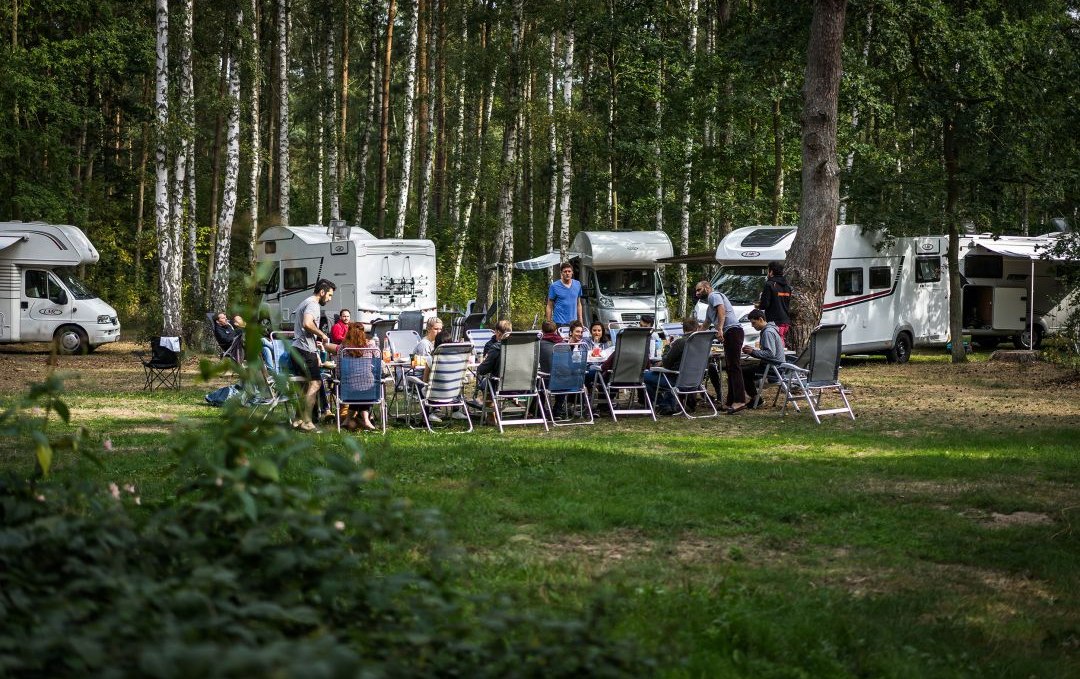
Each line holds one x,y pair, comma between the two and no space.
598,336
356,337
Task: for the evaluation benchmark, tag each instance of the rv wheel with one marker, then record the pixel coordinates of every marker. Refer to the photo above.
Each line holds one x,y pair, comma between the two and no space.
901,350
71,339
1023,340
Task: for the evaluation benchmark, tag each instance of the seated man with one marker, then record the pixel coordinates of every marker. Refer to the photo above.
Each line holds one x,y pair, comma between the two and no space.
671,360
224,332
771,351
340,327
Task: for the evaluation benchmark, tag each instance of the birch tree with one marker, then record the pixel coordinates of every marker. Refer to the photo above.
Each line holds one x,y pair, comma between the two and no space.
372,106
183,203
553,148
169,258
384,118
256,139
567,170
504,251
407,128
332,147
219,287
428,169
688,159
284,182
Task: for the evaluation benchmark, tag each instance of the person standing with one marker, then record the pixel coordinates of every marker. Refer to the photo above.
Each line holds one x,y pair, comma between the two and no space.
564,298
721,315
338,329
306,342
775,299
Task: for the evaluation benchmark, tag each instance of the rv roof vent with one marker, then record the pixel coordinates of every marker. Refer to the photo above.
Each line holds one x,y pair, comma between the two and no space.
764,238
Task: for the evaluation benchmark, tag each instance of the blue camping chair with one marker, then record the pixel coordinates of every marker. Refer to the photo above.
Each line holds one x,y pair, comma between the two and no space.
569,363
360,381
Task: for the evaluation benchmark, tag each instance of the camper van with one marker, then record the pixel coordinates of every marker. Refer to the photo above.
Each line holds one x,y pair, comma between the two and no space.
619,275
1001,274
891,295
375,278
41,297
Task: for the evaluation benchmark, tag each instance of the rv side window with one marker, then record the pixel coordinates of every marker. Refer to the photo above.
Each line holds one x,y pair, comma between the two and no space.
296,279
849,282
37,284
880,277
927,269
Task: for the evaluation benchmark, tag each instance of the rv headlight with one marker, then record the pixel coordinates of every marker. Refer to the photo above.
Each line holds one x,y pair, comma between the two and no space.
605,302
745,318
104,319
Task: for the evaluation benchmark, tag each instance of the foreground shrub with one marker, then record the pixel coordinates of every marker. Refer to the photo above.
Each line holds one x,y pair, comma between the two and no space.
245,573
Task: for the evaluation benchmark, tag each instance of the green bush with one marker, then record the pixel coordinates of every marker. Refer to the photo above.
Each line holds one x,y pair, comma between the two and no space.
244,573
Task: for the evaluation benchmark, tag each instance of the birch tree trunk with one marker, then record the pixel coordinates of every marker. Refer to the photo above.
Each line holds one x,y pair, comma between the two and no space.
778,159
407,142
256,138
219,287
332,142
284,181
658,154
688,161
504,253
372,107
553,149
384,118
428,139
459,138
568,101
183,198
811,250
168,242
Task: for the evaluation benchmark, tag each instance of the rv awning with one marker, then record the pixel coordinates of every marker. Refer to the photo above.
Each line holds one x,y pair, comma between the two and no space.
543,261
8,241
707,257
1021,250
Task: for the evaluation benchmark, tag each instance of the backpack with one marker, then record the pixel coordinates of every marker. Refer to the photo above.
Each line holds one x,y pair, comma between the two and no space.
218,397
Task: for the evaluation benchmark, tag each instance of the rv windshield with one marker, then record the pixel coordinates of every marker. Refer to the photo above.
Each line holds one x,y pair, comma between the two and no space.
626,282
74,285
741,284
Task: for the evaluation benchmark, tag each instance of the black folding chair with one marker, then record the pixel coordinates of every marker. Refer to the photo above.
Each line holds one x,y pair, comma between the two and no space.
627,372
816,373
163,368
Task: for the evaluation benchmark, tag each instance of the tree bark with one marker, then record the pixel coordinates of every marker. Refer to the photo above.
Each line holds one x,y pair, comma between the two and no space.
183,206
553,149
429,138
219,287
332,146
778,160
284,181
373,105
384,119
407,142
810,253
504,253
256,138
169,260
567,170
951,153
688,162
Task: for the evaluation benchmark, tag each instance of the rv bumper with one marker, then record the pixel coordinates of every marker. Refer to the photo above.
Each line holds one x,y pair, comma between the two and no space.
101,335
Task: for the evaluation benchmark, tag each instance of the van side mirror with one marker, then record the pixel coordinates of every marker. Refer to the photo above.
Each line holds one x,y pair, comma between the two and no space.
60,299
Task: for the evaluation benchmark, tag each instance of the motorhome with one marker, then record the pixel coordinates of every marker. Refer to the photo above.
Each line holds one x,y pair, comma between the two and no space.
618,272
1001,274
41,297
375,278
892,294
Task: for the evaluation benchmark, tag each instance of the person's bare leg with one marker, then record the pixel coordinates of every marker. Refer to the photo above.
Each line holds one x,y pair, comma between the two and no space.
310,393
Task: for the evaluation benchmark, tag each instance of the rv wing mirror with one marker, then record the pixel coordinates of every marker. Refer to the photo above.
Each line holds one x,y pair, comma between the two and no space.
60,298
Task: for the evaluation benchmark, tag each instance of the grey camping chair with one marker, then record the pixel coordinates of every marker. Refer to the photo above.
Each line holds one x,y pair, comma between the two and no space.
411,320
282,385
379,329
516,379
569,363
627,372
479,337
403,342
815,373
444,387
690,377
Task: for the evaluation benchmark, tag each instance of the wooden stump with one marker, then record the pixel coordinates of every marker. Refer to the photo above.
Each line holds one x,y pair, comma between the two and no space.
1016,356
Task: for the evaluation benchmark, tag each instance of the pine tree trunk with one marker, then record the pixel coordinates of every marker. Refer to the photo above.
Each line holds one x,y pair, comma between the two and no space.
810,253
407,142
256,138
567,176
219,288
167,239
384,119
688,163
284,181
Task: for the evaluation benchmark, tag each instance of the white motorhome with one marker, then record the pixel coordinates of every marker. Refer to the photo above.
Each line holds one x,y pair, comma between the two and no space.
619,275
891,295
41,297
375,278
1001,274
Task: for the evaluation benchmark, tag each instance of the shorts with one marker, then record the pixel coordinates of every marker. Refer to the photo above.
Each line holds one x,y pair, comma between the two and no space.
311,365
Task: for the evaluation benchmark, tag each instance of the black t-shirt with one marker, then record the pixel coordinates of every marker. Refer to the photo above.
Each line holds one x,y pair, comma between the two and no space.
775,298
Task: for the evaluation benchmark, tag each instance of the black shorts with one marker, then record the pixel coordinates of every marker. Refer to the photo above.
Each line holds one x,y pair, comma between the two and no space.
311,365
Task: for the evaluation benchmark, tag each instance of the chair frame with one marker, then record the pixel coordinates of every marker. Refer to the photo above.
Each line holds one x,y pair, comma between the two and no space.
702,343
512,343
627,360
581,391
803,379
162,376
419,389
362,353
478,338
273,372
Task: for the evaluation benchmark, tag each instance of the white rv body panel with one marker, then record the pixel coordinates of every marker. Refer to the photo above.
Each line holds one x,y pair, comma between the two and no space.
619,273
878,289
41,299
375,278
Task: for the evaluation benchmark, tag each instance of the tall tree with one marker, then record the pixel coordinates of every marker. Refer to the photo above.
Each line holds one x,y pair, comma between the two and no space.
332,129
688,157
407,128
168,240
373,105
567,150
384,118
256,137
811,250
284,176
219,286
429,137
504,249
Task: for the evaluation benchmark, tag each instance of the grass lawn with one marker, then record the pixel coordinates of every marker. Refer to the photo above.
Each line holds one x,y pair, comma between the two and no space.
933,536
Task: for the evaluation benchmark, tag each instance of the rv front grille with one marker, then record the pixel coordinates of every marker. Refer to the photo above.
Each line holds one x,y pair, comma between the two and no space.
764,238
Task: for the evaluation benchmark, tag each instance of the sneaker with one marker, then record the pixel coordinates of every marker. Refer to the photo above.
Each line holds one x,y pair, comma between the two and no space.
458,415
432,417
475,403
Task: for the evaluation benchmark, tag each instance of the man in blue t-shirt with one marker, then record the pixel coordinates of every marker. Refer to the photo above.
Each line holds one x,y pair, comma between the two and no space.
564,298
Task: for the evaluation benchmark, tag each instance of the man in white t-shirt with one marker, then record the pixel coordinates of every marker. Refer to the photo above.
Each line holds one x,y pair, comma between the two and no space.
306,339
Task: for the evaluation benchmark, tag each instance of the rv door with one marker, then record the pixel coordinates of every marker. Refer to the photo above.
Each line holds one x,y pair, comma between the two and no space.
930,312
44,306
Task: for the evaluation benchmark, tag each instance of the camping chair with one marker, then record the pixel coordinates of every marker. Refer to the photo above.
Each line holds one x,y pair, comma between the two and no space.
411,320
403,342
631,352
516,378
280,382
564,332
379,329
163,368
360,381
479,338
815,373
445,387
690,377
569,363
672,330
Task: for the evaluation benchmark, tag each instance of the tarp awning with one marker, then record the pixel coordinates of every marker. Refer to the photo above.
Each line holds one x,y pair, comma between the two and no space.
707,257
1039,251
543,261
8,241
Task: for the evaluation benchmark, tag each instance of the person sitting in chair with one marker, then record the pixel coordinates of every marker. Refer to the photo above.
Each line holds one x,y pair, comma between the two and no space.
771,351
224,332
671,360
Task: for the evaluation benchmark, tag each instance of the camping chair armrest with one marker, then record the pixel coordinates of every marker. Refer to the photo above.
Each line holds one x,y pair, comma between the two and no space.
541,373
794,368
413,379
663,370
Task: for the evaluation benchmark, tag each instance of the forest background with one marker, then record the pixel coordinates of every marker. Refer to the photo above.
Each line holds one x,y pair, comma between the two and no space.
500,129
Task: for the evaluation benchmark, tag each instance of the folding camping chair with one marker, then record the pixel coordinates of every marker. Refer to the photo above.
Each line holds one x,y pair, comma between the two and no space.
673,330
445,386
360,381
564,332
163,368
280,382
470,321
815,373
569,363
479,338
403,342
516,378
411,320
379,329
690,377
627,372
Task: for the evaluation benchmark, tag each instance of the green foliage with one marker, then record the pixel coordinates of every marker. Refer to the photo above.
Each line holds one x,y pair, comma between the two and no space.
246,572
27,419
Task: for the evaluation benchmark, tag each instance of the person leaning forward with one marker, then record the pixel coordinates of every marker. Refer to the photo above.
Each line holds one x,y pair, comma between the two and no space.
306,342
770,350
